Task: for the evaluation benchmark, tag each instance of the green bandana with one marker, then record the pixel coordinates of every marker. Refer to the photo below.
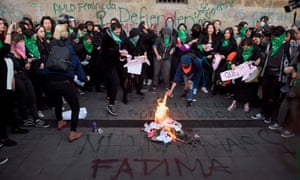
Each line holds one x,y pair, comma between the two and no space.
228,64
115,37
134,40
1,44
225,43
182,34
200,47
70,30
277,43
83,34
243,32
166,41
31,45
88,46
48,35
247,52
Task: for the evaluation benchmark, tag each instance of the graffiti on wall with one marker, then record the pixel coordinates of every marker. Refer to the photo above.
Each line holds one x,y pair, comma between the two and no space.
103,12
130,16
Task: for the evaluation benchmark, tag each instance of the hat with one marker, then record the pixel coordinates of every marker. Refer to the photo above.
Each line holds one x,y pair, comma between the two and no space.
186,63
63,18
133,32
89,23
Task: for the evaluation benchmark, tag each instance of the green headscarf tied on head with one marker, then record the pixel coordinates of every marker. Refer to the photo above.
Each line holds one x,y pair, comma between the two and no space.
277,43
115,37
225,43
167,41
1,44
31,45
134,40
247,52
182,34
88,46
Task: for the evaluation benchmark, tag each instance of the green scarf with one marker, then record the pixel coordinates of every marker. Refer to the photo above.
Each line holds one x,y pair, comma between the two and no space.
134,40
70,30
88,46
115,37
247,52
200,47
277,43
1,44
243,32
228,64
31,45
83,34
225,43
166,41
182,34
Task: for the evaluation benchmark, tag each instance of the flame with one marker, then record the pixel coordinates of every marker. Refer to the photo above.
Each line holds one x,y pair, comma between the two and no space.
162,117
162,110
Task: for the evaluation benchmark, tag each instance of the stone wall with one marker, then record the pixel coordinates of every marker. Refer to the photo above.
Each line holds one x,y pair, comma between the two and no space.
131,12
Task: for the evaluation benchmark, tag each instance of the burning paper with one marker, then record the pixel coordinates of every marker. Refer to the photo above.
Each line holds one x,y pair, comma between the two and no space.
163,129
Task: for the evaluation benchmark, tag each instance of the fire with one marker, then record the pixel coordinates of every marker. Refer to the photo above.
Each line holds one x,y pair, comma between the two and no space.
163,128
162,110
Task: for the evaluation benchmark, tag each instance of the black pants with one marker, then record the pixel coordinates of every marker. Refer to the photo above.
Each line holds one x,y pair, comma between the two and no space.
7,112
112,83
271,91
26,97
58,89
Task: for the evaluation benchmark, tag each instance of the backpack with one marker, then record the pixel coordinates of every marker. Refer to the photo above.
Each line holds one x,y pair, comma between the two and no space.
59,59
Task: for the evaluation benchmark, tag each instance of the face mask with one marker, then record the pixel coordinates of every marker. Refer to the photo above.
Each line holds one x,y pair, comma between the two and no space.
134,40
182,34
262,23
170,24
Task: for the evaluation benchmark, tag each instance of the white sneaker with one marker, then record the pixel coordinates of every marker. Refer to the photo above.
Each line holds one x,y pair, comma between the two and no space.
258,116
149,82
40,114
203,89
194,91
246,107
287,134
274,126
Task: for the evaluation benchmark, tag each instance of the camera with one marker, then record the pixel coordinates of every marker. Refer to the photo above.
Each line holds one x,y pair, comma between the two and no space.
293,4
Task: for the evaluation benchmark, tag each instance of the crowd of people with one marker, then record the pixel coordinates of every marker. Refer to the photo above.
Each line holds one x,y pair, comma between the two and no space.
177,55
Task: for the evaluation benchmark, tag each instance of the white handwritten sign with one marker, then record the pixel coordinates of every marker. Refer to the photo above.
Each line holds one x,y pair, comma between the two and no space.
244,70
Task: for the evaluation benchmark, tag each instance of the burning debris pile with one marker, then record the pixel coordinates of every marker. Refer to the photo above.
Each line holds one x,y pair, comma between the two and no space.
163,129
